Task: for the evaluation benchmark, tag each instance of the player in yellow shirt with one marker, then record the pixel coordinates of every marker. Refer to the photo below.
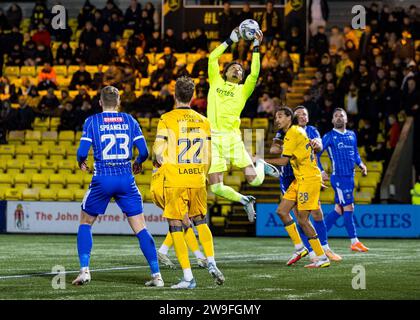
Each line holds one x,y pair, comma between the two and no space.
183,149
157,191
227,96
304,191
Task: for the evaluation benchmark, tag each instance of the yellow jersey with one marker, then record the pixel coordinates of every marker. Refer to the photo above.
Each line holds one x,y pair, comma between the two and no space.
183,141
297,147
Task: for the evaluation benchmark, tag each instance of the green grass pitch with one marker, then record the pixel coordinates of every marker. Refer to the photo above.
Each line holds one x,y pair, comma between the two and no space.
254,269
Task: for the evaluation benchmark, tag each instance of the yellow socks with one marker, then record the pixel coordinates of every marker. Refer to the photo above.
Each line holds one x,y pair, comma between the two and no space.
168,240
181,249
316,246
206,240
293,234
191,240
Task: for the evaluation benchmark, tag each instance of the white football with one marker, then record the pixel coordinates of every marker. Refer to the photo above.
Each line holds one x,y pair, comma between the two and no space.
248,28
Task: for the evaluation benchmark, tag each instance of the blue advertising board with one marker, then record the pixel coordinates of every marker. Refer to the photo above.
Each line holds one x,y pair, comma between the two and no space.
376,221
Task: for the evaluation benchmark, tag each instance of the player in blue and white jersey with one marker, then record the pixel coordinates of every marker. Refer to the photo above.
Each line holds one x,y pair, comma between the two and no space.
112,135
287,177
341,145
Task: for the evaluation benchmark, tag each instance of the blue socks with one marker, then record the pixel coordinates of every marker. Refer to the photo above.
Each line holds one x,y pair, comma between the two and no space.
84,244
331,219
349,224
321,231
147,246
304,238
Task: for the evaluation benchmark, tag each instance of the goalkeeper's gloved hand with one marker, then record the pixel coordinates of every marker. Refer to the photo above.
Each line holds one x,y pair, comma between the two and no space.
234,36
258,38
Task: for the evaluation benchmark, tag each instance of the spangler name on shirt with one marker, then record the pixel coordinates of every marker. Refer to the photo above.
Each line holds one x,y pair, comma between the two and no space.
107,127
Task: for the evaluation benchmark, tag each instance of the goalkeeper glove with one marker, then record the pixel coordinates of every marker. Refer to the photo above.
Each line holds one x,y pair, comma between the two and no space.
258,38
234,36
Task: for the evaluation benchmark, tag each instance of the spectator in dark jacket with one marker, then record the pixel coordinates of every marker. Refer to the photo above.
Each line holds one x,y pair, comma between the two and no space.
14,15
80,78
132,15
88,35
160,76
64,54
201,64
226,21
140,62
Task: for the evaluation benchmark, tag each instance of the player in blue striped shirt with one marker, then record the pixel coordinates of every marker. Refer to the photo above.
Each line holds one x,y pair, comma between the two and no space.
287,177
112,135
341,145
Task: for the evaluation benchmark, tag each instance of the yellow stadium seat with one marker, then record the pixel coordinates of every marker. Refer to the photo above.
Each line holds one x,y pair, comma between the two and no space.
239,174
245,123
40,152
218,221
15,164
13,194
127,33
66,166
260,123
3,164
66,135
63,82
72,152
57,152
65,195
144,123
22,180
2,192
32,137
60,70
233,181
47,194
71,70
54,123
92,69
16,137
32,166
226,58
27,71
79,194
11,71
78,136
57,181
23,149
374,166
49,138
75,181
142,179
49,166
211,197
192,57
144,82
30,194
368,182
154,123
7,149
148,165
6,180
41,124
363,198
327,196
39,180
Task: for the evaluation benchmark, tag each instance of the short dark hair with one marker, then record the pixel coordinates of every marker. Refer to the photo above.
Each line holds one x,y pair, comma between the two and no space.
110,96
289,113
228,66
184,89
339,110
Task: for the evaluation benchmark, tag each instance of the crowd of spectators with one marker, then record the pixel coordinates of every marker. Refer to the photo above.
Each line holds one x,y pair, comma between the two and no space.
373,75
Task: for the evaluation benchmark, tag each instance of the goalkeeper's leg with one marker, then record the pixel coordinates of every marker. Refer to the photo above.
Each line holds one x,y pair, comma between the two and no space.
221,190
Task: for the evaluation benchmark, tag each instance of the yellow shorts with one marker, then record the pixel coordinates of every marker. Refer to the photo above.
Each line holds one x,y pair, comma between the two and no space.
182,201
305,194
156,187
228,149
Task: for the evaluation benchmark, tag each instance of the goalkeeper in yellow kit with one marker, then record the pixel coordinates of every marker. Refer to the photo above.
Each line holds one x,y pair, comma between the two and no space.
226,100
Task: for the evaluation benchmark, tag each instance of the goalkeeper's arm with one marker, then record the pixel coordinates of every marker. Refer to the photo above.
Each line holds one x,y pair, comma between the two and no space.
214,56
252,79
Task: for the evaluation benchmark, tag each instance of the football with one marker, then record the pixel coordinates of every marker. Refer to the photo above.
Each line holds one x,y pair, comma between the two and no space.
248,29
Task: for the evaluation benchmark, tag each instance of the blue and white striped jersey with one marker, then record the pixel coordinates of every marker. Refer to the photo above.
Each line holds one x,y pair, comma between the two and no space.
112,135
312,132
342,150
